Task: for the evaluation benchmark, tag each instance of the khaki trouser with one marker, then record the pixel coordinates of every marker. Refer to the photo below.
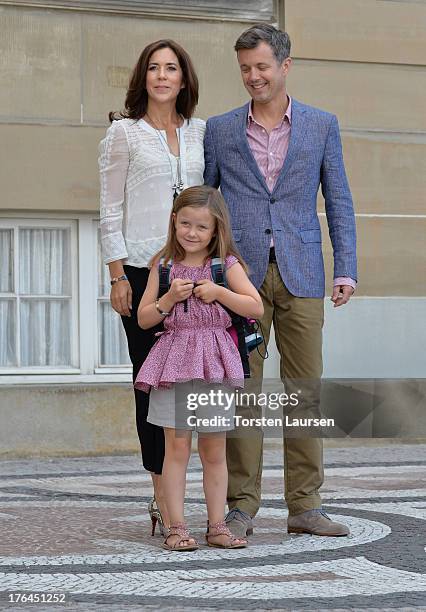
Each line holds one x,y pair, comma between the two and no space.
298,332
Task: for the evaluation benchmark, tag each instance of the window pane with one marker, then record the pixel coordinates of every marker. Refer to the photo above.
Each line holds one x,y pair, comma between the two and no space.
7,333
44,261
104,284
112,338
45,332
6,259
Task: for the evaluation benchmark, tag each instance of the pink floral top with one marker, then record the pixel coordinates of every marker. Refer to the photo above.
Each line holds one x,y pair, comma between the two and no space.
195,343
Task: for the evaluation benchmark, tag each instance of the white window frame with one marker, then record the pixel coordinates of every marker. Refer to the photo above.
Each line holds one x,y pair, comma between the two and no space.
16,225
84,284
101,369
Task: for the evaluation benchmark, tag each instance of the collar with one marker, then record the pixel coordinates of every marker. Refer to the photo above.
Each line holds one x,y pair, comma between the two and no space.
251,119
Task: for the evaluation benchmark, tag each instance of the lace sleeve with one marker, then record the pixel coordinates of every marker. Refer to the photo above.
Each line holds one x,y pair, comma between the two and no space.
113,167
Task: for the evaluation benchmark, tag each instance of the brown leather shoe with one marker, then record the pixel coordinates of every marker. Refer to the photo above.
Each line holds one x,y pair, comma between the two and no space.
239,522
315,522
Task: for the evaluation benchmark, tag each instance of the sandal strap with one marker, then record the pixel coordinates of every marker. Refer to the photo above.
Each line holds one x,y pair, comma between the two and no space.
179,529
221,529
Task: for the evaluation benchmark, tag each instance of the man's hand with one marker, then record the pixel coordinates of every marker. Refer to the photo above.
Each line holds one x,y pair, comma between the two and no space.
341,294
121,298
206,290
180,290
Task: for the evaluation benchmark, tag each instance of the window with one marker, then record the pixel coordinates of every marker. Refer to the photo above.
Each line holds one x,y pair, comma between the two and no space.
56,320
112,343
38,295
7,306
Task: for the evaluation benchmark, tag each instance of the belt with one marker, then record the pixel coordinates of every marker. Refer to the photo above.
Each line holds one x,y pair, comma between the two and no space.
272,258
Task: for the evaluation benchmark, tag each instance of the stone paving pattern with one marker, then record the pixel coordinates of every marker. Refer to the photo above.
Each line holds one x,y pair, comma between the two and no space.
80,527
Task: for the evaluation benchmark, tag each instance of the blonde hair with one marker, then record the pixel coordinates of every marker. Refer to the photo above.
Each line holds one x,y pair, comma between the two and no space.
222,243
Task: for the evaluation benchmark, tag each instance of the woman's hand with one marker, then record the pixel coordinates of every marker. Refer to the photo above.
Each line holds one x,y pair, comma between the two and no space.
180,290
121,298
207,291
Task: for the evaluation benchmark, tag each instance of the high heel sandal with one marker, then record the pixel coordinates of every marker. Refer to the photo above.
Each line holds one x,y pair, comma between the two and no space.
222,530
180,530
155,515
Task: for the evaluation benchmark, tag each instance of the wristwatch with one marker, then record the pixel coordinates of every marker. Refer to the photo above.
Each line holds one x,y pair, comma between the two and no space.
118,278
163,313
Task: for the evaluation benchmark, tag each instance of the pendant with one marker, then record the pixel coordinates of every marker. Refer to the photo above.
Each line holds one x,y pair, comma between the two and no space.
177,189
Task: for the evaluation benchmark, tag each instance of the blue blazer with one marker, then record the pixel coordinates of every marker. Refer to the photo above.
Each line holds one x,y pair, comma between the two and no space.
289,212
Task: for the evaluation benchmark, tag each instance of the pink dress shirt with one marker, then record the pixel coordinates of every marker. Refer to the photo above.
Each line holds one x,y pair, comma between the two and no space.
270,150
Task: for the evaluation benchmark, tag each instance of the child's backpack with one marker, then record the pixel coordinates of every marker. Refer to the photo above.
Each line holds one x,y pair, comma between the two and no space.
243,331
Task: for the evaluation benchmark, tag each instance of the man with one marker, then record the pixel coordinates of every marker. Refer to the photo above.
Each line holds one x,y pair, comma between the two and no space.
269,158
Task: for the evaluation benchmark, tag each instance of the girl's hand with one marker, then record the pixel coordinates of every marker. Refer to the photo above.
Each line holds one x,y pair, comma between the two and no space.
207,291
180,289
121,298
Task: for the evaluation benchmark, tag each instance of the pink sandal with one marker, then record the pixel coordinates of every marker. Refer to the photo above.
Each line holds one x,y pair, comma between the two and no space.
222,530
180,529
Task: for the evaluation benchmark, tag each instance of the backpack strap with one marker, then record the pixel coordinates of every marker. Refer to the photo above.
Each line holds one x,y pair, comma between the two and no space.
239,324
218,272
163,277
219,277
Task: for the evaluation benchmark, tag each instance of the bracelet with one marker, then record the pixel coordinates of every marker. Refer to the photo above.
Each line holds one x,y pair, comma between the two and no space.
163,313
118,278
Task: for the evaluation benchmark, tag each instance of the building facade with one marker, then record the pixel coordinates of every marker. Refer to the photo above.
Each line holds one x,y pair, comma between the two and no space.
64,370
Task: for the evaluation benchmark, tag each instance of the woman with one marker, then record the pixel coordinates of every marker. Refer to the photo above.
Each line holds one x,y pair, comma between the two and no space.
152,151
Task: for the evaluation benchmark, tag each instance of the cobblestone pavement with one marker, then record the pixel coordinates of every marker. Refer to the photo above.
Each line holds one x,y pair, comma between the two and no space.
79,527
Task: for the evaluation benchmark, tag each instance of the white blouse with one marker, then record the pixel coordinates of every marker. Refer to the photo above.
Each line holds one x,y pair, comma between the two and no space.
137,172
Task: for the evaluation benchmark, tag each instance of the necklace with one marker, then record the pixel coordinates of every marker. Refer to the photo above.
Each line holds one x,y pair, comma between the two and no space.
177,182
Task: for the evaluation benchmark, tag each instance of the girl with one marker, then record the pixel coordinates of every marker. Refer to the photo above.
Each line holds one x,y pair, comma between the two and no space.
152,150
197,347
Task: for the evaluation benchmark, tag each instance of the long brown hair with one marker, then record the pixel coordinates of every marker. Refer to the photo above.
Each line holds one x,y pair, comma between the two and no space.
222,243
136,102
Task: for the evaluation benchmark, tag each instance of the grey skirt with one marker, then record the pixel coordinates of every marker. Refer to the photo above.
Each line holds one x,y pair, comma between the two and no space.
193,406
